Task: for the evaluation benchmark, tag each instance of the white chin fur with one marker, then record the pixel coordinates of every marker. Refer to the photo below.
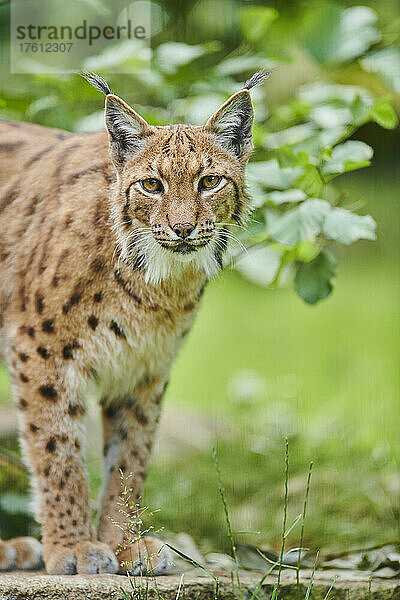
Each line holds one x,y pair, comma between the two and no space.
163,264
160,263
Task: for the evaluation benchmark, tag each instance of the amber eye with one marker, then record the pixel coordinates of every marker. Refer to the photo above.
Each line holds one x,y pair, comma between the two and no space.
209,181
151,185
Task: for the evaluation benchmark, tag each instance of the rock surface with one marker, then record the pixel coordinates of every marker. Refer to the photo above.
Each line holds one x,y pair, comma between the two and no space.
39,586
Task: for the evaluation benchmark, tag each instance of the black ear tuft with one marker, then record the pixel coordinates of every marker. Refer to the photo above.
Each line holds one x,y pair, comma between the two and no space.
97,82
256,79
232,124
126,129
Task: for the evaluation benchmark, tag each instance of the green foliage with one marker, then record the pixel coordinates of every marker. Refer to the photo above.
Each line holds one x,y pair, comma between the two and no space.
302,144
314,279
334,35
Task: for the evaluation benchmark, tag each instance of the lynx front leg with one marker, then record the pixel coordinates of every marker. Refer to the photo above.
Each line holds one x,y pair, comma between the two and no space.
129,426
52,440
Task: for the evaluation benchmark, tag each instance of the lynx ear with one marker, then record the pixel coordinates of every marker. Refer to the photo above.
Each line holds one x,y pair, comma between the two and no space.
232,125
127,130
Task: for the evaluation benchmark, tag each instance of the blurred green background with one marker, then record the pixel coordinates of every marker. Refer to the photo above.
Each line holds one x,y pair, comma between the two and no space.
260,364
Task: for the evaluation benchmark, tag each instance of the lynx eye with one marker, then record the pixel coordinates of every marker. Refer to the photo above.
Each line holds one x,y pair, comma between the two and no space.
209,182
151,185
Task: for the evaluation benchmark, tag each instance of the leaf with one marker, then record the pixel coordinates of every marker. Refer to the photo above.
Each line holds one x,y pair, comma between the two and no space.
259,265
256,20
347,227
382,112
314,279
348,156
243,64
197,109
271,175
360,109
128,52
301,223
386,63
172,55
322,93
310,182
334,35
293,195
290,136
328,117
306,251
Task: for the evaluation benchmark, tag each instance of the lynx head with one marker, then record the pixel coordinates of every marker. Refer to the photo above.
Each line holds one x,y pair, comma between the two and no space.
179,188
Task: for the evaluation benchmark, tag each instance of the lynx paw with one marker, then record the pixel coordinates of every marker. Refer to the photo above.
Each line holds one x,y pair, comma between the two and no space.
148,556
20,553
84,557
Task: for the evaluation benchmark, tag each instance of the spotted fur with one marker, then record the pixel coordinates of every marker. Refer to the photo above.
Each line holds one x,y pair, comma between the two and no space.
98,292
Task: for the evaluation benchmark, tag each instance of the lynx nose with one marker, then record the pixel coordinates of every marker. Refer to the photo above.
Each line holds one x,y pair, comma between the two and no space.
183,230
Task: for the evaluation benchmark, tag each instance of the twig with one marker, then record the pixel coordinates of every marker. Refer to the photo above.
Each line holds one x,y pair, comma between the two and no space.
334,555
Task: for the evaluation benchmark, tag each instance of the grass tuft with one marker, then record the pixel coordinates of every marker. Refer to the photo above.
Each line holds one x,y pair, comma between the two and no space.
134,532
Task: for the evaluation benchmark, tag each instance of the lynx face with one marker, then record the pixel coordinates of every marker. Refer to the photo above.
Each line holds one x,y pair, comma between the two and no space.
179,188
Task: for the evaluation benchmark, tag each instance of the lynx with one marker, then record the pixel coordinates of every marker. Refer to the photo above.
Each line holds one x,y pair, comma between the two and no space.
105,252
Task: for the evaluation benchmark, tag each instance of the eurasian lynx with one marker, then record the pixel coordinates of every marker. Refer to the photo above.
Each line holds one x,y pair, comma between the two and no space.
105,252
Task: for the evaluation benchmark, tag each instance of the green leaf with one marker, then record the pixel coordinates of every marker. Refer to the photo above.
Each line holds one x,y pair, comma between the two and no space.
382,112
310,182
243,64
290,136
386,63
256,20
259,265
322,93
306,251
301,223
172,55
347,157
347,227
334,35
293,195
314,279
360,109
293,112
327,116
270,175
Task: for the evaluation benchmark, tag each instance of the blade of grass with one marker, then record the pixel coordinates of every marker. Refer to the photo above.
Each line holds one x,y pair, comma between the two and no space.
259,584
191,560
227,519
246,531
303,520
126,597
279,564
198,565
275,563
326,597
180,586
275,591
312,578
285,504
293,525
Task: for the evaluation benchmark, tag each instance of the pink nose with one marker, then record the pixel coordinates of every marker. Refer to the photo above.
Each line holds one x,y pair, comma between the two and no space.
183,230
